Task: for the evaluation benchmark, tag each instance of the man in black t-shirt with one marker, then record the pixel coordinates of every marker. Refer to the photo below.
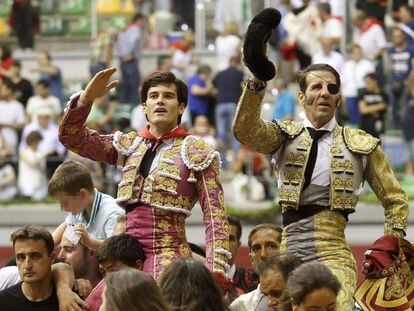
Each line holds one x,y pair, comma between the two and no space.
23,89
33,249
372,105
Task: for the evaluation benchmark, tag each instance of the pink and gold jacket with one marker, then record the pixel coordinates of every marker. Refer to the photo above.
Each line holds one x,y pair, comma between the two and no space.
187,172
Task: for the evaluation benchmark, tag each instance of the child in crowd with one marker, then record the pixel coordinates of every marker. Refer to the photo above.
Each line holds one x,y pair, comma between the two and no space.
92,214
32,169
202,128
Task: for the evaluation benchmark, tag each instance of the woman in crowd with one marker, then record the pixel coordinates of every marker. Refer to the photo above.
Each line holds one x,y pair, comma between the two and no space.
311,286
189,285
131,290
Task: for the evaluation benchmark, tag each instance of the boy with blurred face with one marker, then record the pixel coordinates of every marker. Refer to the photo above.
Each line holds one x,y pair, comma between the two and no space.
33,248
321,169
165,171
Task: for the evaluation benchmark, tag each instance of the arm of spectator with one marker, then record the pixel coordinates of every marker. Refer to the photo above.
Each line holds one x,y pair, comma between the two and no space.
32,161
83,287
368,109
58,233
49,69
64,279
86,239
200,91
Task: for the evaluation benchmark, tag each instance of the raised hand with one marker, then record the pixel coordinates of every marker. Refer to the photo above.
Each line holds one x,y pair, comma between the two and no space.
98,86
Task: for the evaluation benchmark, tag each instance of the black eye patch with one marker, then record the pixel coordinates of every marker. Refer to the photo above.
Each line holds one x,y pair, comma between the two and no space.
333,88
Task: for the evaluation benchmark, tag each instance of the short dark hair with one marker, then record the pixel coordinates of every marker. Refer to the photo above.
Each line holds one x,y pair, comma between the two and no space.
8,84
234,221
33,137
324,7
203,69
5,52
70,177
306,279
32,232
123,248
164,77
285,263
302,75
43,82
371,76
263,227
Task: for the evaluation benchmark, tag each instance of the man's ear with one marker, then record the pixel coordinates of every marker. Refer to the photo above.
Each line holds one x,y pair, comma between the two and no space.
301,98
294,305
181,108
144,108
139,264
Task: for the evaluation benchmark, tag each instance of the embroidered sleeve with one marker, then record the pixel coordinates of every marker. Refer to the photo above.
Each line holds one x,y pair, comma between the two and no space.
250,130
210,195
393,198
75,136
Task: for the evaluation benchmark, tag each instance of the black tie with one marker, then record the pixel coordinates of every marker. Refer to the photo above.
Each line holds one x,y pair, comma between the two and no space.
316,135
148,159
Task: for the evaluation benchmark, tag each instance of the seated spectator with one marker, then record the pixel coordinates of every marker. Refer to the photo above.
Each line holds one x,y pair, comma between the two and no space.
23,88
80,258
8,188
118,252
132,290
92,214
244,279
274,272
373,106
32,169
43,99
202,128
33,247
12,116
189,285
284,108
311,286
101,114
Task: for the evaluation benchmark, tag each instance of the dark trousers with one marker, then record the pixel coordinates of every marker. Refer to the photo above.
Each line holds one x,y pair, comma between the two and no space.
130,82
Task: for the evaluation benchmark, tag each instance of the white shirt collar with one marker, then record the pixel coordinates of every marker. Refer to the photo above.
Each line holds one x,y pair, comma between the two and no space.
329,126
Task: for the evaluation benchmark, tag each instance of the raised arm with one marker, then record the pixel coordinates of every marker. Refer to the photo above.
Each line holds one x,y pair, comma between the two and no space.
393,198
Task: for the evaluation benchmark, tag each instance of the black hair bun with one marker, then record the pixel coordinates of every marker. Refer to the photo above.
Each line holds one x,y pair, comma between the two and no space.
257,35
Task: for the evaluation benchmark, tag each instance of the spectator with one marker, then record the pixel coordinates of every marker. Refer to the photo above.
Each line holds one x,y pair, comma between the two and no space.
243,278
285,104
6,61
407,22
274,272
182,55
23,88
8,188
24,20
311,286
408,129
12,115
373,9
32,169
228,45
372,105
353,73
229,88
203,129
33,247
102,47
200,90
328,56
80,258
116,253
43,99
50,73
92,213
370,36
101,116
133,290
332,28
401,57
189,285
129,52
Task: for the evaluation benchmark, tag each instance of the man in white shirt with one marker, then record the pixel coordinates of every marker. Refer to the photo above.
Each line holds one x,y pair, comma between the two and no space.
328,56
321,169
332,28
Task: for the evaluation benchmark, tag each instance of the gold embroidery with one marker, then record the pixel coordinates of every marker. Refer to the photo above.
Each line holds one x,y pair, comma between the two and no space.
359,141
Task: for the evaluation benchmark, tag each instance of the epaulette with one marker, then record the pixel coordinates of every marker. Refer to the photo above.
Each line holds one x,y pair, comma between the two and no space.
290,128
359,141
126,143
197,154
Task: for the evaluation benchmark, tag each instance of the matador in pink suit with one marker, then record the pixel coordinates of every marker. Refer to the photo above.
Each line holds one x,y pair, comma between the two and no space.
165,171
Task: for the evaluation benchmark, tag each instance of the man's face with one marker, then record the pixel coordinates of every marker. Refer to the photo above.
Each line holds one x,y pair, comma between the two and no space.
234,243
398,37
265,242
272,285
76,256
42,90
162,107
111,266
42,59
73,203
320,105
5,92
33,261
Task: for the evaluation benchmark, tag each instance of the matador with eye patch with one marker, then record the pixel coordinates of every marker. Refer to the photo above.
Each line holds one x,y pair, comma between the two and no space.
321,169
165,171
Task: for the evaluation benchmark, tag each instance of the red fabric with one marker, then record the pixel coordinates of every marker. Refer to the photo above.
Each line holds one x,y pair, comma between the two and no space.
369,22
179,46
288,51
6,64
177,132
